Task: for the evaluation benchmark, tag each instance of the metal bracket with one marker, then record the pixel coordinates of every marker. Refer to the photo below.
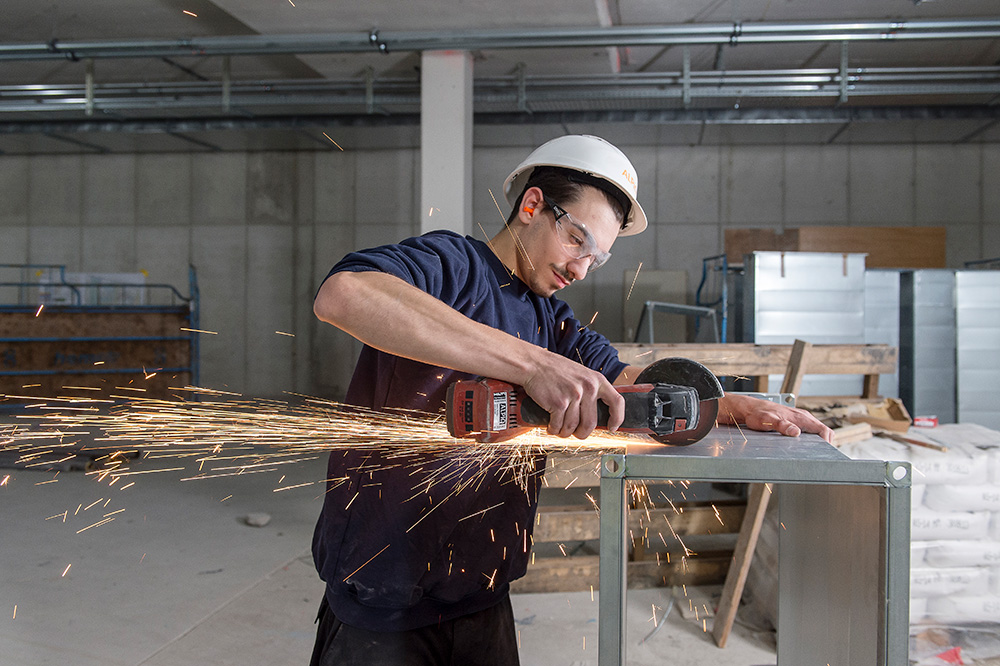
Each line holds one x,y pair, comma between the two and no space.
370,89
613,465
227,84
787,399
375,41
898,474
687,77
89,87
522,88
843,73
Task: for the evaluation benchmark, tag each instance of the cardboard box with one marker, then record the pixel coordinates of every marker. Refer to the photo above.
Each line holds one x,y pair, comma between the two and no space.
890,414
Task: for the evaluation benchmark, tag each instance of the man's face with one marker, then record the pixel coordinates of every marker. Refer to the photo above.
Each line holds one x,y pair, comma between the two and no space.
547,265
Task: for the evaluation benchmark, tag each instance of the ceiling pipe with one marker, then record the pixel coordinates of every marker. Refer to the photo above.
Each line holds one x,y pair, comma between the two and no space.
387,42
727,116
491,93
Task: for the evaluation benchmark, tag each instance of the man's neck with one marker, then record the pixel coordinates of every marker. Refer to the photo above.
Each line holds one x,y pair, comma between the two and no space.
505,247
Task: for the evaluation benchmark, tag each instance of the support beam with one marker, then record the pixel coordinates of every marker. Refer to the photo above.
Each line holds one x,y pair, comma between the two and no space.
446,141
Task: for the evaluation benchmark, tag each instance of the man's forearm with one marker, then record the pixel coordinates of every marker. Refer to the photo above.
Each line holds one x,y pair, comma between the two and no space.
391,315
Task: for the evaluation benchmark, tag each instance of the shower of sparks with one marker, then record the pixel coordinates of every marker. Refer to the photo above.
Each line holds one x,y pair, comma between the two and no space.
213,438
332,141
222,434
633,281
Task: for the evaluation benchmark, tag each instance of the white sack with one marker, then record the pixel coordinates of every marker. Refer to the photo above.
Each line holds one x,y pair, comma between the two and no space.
962,498
960,553
927,525
927,583
959,609
960,464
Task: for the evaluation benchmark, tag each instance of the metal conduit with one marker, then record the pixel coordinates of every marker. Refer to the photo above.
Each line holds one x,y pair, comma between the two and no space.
708,33
400,94
727,116
982,74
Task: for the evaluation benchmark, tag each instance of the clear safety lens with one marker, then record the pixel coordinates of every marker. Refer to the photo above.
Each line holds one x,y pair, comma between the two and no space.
576,239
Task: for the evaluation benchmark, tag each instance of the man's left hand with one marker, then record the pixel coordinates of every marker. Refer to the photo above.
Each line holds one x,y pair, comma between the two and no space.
769,416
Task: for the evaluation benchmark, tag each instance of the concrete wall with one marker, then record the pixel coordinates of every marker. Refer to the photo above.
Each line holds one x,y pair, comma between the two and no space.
262,229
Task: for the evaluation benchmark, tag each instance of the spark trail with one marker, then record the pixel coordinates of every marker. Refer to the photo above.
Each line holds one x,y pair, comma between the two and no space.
221,437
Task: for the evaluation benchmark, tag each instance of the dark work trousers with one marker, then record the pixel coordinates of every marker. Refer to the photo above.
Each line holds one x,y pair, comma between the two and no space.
486,638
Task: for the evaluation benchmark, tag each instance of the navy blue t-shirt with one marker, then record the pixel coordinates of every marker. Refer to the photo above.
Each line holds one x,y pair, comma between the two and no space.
406,538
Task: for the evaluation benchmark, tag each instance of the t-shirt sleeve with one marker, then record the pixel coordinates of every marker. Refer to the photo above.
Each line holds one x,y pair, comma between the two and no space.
437,263
584,345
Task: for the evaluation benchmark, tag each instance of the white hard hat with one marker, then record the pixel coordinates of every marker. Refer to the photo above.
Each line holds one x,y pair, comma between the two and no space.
590,155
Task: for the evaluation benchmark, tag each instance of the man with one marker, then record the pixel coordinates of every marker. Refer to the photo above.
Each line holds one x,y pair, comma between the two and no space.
419,574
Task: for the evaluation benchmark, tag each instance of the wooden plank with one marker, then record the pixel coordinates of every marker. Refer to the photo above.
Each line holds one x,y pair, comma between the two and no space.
796,368
109,386
740,242
67,356
581,573
736,578
572,470
574,523
852,433
870,388
54,322
886,247
744,359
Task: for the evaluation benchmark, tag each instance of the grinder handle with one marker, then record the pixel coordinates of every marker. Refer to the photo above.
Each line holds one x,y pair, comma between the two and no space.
531,413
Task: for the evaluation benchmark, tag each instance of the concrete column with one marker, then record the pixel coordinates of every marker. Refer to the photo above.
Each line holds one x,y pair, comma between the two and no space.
446,141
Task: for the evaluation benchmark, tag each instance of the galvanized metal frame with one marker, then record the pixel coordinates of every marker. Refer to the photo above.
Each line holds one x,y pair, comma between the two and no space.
811,467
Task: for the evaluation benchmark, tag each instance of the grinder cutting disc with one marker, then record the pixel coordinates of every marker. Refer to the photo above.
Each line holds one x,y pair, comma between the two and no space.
685,372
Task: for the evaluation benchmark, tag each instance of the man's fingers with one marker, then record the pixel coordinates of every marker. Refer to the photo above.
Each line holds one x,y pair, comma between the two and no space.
570,420
588,419
789,429
616,407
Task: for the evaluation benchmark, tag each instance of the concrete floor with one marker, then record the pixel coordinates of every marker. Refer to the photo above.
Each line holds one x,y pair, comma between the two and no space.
176,577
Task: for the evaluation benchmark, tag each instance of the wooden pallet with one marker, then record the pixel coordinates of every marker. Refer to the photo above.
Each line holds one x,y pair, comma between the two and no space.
566,536
757,362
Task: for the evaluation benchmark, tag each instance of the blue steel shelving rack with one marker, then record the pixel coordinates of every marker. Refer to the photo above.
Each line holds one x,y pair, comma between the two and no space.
28,299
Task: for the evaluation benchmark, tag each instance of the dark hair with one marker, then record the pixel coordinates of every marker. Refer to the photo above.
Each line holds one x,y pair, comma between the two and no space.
565,186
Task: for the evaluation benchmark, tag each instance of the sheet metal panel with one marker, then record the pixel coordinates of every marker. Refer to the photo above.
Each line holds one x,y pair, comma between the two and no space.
882,319
977,322
927,343
818,297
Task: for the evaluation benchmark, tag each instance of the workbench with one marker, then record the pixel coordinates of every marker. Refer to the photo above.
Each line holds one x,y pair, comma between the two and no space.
843,582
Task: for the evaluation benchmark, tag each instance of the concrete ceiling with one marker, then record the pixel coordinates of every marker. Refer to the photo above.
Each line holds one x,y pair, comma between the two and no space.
971,115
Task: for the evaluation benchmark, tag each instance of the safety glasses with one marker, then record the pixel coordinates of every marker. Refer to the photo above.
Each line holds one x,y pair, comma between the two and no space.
575,238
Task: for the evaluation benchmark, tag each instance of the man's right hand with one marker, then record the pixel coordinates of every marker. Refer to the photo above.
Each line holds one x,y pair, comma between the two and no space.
569,391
